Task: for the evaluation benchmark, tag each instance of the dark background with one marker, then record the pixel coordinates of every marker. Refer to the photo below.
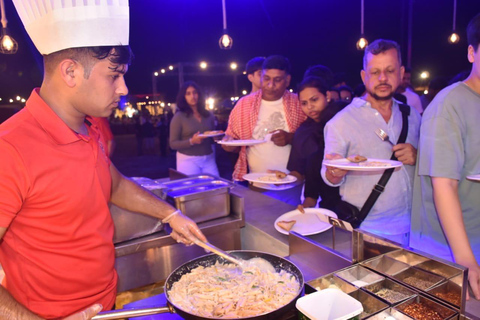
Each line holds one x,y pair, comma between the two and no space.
308,32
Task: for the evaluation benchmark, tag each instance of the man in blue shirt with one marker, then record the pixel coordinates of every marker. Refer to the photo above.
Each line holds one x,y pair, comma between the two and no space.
352,131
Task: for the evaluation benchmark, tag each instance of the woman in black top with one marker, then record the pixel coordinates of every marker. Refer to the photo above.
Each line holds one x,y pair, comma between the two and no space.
308,144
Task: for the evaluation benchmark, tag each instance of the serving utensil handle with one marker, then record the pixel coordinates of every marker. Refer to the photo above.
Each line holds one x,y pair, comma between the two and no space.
131,313
210,247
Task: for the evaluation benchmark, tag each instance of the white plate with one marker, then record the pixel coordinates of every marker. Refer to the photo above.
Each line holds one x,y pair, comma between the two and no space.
474,177
363,166
307,223
217,134
240,143
275,187
260,177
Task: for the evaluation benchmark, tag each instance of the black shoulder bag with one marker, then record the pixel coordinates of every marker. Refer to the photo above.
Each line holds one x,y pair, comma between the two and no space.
350,213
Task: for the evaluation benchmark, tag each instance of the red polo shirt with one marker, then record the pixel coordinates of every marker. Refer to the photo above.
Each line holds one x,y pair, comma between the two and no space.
55,184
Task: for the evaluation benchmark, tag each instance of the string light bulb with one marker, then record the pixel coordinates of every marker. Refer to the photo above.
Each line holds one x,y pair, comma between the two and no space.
424,75
454,38
8,45
362,43
225,42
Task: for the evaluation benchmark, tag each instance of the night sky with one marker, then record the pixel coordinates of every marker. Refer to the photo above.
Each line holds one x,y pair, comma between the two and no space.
308,32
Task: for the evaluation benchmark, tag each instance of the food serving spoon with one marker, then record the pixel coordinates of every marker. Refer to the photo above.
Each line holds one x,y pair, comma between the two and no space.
258,262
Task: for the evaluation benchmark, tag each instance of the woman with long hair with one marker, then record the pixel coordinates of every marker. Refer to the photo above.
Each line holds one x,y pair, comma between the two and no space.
194,152
308,144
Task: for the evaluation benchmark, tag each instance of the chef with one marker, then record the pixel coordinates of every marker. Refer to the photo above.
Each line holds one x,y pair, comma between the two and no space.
55,177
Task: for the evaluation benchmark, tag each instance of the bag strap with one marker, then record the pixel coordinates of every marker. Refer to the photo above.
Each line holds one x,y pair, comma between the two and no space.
380,186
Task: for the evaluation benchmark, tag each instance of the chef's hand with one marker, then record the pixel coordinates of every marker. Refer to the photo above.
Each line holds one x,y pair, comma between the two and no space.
226,137
86,314
405,153
334,175
196,139
185,230
282,138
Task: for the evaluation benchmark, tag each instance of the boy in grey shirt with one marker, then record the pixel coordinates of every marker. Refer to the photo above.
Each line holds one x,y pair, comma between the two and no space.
446,205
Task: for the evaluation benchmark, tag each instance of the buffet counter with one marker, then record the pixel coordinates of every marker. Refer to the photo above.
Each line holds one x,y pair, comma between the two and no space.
323,258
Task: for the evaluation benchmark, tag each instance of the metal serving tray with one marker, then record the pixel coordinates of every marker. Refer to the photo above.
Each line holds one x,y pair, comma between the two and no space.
439,268
407,257
444,312
202,197
196,189
389,314
448,291
188,181
332,281
419,279
359,276
385,265
371,305
390,291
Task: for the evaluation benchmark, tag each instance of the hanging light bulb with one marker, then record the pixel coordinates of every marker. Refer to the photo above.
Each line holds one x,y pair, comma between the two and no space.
8,45
362,42
454,38
225,41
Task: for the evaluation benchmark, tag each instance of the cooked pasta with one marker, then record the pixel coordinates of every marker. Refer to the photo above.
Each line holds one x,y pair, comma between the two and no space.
227,291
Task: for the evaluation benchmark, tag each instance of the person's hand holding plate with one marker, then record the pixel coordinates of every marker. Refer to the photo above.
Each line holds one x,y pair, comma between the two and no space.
334,175
227,148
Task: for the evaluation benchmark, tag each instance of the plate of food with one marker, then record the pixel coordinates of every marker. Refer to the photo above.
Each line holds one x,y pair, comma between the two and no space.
474,177
361,163
274,187
306,224
271,177
213,133
240,143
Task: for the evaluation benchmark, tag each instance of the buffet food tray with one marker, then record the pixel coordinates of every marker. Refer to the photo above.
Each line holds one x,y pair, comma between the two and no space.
433,290
201,197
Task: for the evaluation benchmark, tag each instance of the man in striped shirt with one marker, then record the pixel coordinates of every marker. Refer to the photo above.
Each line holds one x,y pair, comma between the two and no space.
272,110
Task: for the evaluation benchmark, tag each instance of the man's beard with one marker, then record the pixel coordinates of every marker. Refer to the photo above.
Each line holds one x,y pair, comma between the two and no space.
378,98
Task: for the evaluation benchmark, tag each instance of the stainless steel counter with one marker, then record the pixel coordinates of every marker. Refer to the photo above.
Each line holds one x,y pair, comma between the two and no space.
259,233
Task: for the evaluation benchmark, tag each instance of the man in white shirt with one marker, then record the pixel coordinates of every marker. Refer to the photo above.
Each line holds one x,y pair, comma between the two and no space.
274,111
405,88
352,131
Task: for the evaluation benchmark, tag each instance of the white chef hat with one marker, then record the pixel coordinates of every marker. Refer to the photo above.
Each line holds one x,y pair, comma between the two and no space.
55,25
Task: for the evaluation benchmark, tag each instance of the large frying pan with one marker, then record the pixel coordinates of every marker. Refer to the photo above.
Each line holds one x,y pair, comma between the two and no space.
208,260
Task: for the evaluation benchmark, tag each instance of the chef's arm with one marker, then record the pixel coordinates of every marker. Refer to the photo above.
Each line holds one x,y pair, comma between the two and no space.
449,210
129,195
12,309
